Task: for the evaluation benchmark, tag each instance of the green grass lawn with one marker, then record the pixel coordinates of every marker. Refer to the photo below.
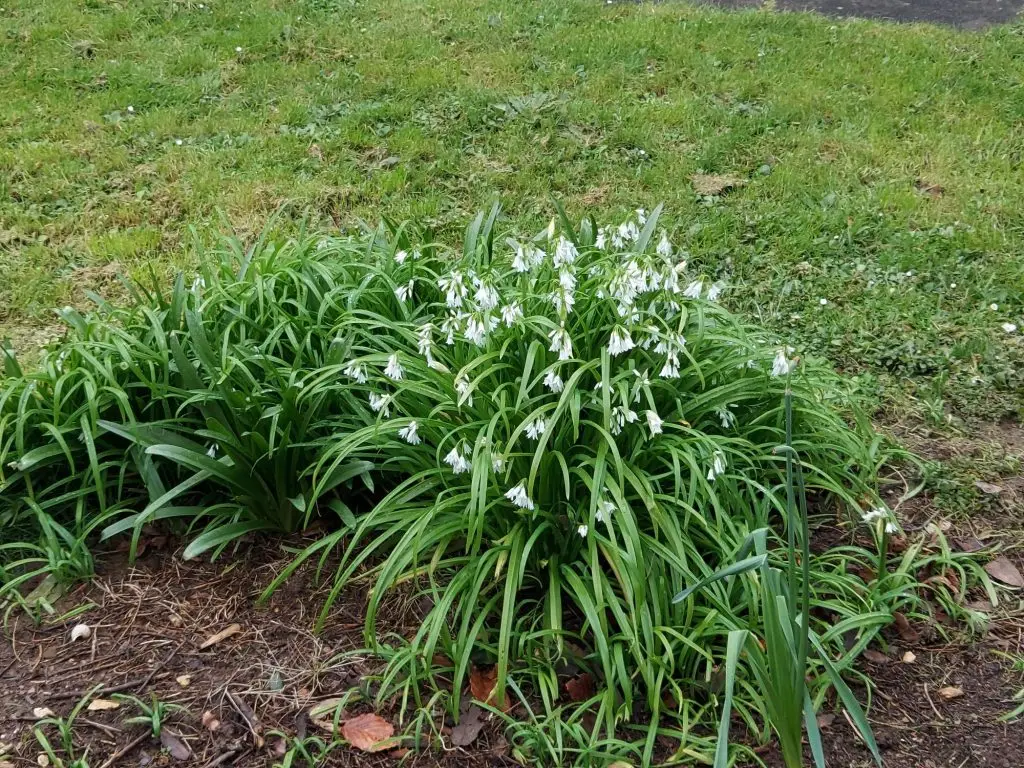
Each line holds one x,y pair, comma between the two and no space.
883,163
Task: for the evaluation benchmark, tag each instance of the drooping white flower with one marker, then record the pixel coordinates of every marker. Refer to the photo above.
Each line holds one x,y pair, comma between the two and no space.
620,341
565,252
454,286
664,248
891,527
563,301
527,258
458,461
878,513
424,341
654,423
355,371
404,292
782,365
401,256
641,215
602,239
380,404
671,368
535,428
620,416
497,463
626,233
476,330
553,381
727,417
511,313
518,496
605,508
717,466
694,289
583,530
567,279
486,295
462,389
561,343
715,290
408,433
450,326
211,452
393,370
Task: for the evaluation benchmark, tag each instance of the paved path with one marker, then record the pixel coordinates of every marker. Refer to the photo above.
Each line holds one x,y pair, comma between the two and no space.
961,13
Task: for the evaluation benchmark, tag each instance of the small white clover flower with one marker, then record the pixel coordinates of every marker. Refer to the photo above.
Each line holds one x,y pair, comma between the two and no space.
355,371
694,289
404,292
131,110
664,248
393,370
1010,327
782,365
583,530
654,423
401,256
715,290
518,496
457,461
620,341
238,49
717,466
553,381
994,307
535,428
511,313
408,433
605,508
380,404
565,252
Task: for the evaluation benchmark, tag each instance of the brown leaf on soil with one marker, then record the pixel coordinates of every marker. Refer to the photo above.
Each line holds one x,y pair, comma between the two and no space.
990,488
969,545
906,631
40,712
401,753
483,685
471,722
174,744
581,687
876,657
951,692
825,720
710,184
369,733
224,634
909,657
102,705
1001,569
928,188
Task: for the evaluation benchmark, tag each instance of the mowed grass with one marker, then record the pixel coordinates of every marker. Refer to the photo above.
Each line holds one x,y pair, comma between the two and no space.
882,163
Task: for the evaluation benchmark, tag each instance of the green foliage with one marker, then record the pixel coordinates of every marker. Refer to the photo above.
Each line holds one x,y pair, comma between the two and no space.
545,437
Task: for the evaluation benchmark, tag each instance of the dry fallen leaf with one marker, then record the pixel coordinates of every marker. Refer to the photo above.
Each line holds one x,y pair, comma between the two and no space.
224,634
483,684
40,712
174,744
825,719
621,764
990,488
909,657
369,733
710,184
903,627
969,545
102,705
876,657
184,680
950,692
1001,569
210,721
471,722
581,687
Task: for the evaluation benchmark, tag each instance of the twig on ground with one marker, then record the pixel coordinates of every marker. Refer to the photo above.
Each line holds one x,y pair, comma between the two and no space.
110,730
102,689
125,749
223,758
159,666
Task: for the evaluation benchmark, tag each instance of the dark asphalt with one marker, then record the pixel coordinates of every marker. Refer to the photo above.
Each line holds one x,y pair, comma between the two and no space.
959,13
